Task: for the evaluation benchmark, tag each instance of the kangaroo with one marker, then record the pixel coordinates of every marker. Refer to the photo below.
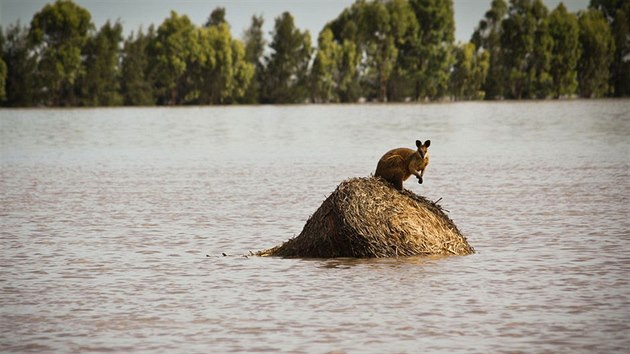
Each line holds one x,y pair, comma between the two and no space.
398,164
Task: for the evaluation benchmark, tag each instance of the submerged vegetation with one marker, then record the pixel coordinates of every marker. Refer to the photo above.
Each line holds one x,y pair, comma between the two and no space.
368,218
387,51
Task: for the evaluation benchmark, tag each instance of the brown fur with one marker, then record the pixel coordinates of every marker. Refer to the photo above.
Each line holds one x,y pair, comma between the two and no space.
398,164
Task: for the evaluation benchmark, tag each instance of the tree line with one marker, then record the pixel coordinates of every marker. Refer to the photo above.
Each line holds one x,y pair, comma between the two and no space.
387,51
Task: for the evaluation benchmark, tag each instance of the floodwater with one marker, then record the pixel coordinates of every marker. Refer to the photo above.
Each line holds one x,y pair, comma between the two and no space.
113,223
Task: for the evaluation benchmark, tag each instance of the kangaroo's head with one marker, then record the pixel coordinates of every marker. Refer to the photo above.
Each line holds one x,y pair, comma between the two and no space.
423,149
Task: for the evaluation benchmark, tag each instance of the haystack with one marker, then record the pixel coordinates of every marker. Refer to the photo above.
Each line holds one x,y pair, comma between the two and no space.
367,217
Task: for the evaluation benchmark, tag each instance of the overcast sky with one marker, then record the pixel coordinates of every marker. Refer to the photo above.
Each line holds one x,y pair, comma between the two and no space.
309,14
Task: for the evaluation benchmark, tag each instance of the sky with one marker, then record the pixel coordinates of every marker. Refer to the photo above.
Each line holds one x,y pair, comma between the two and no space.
309,14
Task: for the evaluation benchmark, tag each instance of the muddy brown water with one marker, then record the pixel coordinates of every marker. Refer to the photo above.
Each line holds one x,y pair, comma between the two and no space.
113,223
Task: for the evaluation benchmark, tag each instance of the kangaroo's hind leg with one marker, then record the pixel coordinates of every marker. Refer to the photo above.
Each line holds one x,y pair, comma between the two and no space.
398,184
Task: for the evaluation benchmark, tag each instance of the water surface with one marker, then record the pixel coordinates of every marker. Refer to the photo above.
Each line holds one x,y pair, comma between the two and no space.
113,223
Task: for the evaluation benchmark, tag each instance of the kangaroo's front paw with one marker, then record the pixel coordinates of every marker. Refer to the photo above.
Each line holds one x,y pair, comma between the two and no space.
420,180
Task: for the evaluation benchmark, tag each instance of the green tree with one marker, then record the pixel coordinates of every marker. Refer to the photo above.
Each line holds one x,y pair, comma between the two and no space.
351,62
348,80
100,84
193,65
371,35
3,69
517,42
209,65
170,54
564,29
542,54
617,12
375,40
526,50
324,73
243,72
3,80
59,31
487,36
286,70
221,73
404,31
434,47
254,50
469,72
598,48
136,86
385,30
21,64
217,17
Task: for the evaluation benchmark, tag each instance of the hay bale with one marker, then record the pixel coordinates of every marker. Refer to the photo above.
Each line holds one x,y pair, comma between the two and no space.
367,217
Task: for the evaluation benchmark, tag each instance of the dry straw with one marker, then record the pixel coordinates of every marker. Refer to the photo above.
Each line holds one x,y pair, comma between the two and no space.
367,217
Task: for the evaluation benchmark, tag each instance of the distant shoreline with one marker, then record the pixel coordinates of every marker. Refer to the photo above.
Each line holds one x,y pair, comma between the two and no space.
373,51
367,104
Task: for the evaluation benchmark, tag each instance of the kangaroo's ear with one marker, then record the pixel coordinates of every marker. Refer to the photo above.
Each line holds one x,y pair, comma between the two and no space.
427,143
418,143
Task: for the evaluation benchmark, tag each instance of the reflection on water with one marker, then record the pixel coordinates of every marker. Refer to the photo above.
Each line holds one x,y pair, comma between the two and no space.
107,215
349,263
